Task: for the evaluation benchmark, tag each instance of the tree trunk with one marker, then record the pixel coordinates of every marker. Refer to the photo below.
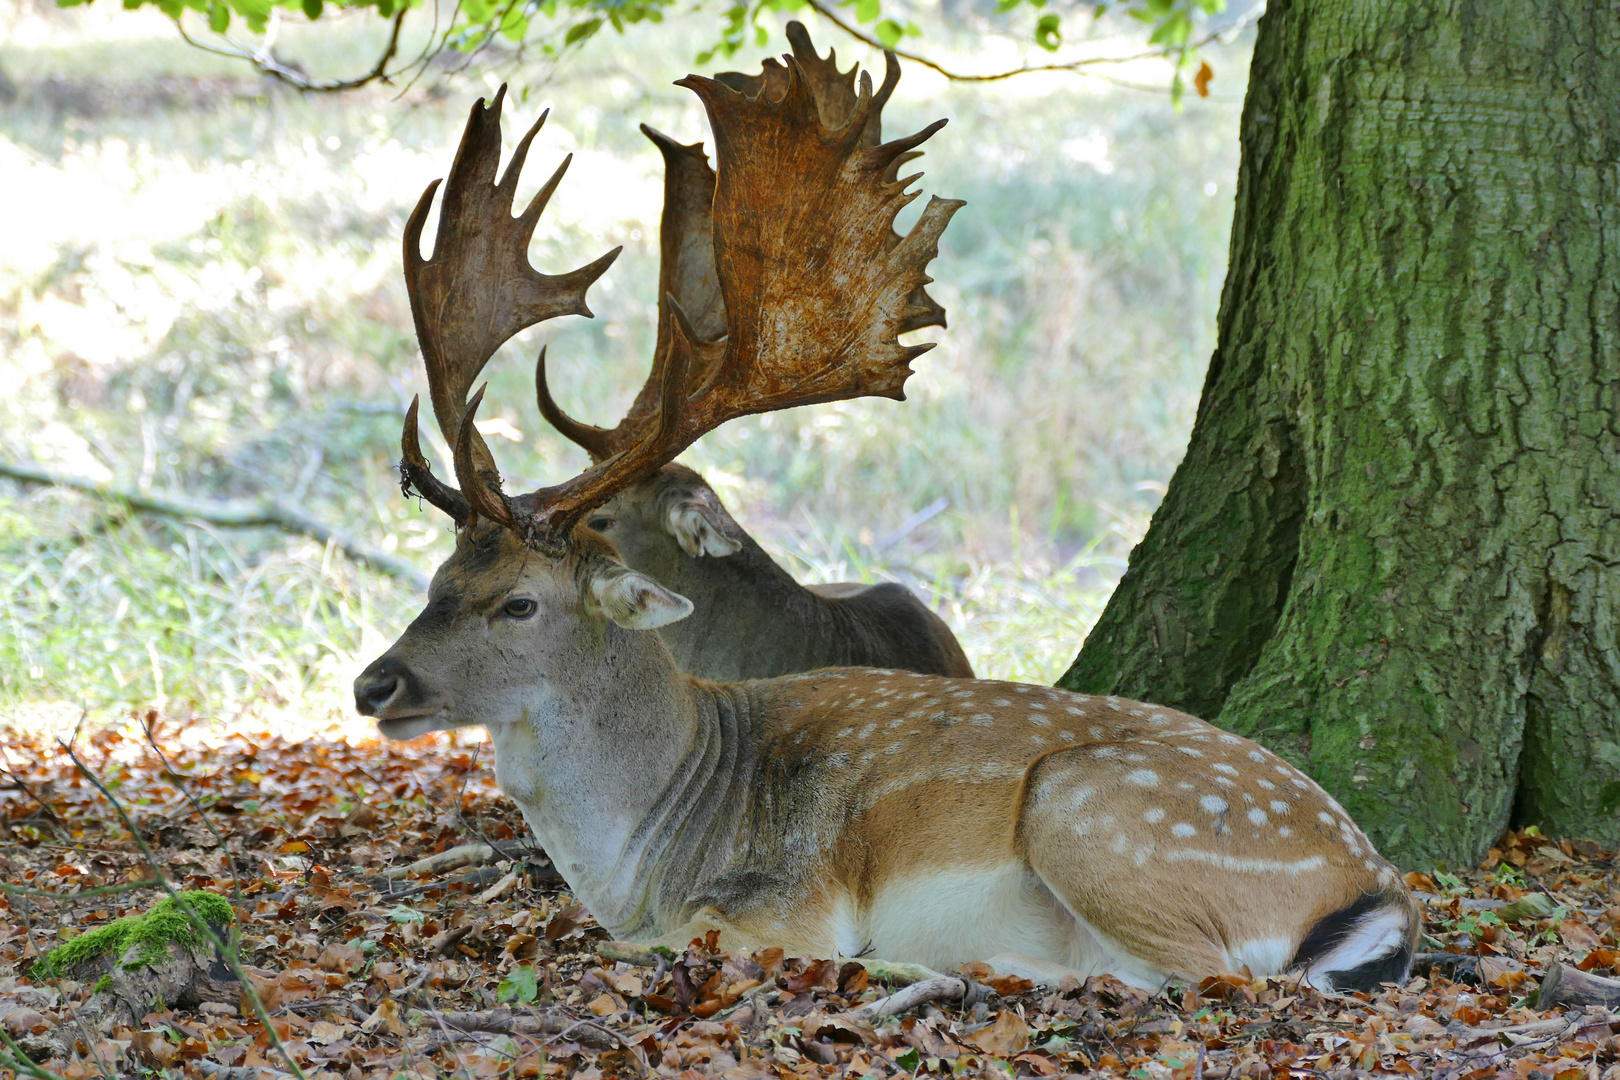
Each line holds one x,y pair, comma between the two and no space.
1392,552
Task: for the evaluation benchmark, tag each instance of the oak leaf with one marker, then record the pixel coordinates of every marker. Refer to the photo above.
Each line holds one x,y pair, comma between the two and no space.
1578,936
1007,1036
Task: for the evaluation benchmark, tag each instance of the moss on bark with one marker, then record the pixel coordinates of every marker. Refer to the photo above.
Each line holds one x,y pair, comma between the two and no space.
1393,550
165,923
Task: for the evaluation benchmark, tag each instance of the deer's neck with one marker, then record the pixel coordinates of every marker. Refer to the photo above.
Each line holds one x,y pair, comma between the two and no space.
624,776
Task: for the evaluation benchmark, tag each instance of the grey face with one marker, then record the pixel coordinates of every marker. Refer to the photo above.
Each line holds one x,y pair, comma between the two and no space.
503,629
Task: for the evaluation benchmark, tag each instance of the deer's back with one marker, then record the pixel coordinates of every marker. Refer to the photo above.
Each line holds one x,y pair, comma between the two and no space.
887,626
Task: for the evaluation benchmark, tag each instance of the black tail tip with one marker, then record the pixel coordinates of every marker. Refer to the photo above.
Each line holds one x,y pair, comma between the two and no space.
1368,977
1376,935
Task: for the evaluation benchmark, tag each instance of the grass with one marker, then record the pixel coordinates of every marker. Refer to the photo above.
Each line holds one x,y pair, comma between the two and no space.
205,295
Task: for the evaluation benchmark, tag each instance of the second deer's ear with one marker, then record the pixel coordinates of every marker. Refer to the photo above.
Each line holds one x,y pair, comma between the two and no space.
700,528
635,601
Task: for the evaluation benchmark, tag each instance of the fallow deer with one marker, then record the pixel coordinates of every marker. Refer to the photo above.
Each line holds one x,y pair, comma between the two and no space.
844,811
750,619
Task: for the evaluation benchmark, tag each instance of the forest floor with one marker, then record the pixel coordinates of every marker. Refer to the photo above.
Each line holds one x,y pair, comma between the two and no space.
358,976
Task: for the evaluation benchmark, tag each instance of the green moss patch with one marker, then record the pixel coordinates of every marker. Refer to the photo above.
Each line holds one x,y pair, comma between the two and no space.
164,924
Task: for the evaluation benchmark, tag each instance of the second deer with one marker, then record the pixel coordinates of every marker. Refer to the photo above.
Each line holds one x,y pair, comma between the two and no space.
751,619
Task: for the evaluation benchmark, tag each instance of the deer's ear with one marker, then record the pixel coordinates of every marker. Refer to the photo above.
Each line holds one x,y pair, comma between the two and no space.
635,601
700,528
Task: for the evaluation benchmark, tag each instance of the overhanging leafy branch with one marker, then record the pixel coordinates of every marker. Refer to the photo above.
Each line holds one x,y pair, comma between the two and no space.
555,28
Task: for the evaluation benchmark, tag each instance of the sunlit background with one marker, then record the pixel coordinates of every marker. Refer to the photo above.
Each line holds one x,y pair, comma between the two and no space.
200,296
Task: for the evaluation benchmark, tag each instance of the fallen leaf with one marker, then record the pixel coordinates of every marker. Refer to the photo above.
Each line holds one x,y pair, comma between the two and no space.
385,1018
627,983
324,1031
340,958
606,1005
499,889
24,1021
1008,985
1577,935
845,1029
154,1049
363,817
1007,1036
265,990
1599,958
816,973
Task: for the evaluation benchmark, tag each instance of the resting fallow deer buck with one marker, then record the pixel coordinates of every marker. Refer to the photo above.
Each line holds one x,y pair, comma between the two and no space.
849,811
750,619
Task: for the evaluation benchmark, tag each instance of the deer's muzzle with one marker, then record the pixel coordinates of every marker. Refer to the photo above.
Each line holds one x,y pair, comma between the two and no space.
386,687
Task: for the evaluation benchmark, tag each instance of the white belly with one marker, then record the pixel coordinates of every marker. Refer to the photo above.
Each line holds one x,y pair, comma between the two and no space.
947,918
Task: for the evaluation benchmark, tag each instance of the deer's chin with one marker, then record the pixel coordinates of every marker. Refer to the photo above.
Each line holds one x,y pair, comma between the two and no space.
405,728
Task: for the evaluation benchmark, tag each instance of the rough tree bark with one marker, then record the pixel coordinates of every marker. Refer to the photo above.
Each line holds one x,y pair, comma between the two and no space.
1392,552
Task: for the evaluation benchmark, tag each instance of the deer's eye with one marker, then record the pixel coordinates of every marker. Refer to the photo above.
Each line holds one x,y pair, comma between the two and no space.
600,524
520,608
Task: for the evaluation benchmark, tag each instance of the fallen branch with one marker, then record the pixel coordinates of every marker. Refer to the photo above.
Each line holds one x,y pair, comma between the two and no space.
898,974
478,879
944,988
450,859
1564,985
628,952
231,513
507,1022
464,855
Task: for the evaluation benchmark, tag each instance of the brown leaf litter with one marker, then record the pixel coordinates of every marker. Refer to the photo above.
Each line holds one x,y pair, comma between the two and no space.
482,965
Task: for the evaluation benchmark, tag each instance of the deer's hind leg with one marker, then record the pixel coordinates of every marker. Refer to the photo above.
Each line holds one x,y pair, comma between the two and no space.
1107,828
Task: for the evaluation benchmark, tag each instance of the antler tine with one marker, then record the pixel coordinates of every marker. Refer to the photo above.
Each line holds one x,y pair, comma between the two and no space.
686,278
415,472
482,498
816,285
548,516
835,90
686,271
594,440
478,289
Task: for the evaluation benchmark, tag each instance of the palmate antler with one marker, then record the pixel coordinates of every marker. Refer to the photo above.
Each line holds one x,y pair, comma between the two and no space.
687,273
788,287
476,291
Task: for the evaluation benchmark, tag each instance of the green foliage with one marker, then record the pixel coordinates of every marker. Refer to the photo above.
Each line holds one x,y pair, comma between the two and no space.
521,985
553,27
172,920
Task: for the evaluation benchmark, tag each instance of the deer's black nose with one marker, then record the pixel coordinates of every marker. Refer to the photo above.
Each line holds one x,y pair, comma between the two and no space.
386,681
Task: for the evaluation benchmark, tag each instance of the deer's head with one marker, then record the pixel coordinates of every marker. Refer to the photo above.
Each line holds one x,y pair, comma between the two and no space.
663,521
783,283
